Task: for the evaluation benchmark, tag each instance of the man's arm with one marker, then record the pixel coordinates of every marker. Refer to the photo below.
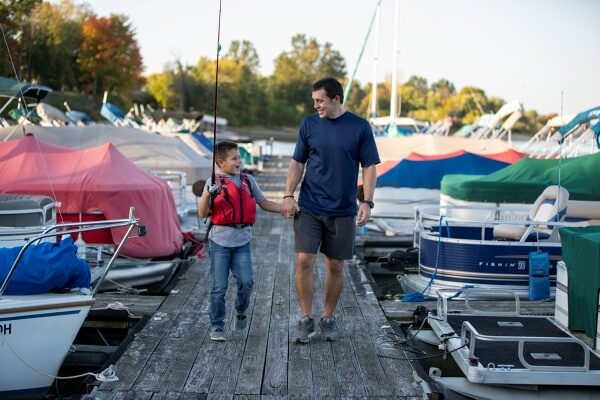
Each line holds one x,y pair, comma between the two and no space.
369,178
289,206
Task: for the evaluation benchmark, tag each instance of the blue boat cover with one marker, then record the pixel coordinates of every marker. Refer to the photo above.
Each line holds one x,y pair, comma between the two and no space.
429,173
45,267
111,112
203,140
78,116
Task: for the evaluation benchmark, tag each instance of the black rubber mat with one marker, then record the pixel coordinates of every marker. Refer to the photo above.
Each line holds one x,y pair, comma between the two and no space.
506,353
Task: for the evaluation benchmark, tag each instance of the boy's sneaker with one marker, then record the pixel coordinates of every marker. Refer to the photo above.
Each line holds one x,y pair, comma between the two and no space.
217,334
240,322
306,329
328,331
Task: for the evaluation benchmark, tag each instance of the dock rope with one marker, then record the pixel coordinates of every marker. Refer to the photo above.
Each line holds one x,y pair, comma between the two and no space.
107,375
117,305
397,343
420,296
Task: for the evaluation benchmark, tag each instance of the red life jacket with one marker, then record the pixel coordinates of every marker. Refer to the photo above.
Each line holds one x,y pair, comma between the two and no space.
234,206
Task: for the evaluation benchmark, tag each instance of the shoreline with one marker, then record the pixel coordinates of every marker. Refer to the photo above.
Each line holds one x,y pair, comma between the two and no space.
282,134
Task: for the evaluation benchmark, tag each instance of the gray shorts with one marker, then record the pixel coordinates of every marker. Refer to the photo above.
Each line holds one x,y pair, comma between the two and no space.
332,236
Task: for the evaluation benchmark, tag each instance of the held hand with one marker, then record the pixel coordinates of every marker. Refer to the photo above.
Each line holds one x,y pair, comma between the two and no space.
289,207
214,189
364,213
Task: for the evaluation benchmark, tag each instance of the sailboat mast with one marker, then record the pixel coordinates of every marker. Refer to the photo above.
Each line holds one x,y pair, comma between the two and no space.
375,62
394,95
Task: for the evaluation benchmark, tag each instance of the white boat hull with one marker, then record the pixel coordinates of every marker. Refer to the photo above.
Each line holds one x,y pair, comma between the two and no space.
36,332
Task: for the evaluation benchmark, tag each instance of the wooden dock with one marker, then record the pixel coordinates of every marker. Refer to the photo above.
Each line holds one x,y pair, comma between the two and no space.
174,358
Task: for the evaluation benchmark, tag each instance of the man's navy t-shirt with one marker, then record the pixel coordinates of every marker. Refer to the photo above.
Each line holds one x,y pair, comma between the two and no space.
332,150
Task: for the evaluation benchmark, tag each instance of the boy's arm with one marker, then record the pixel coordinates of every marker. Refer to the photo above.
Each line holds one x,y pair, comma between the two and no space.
204,205
271,206
289,206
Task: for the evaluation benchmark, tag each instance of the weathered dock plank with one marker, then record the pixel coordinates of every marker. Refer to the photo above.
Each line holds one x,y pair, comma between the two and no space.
173,358
252,363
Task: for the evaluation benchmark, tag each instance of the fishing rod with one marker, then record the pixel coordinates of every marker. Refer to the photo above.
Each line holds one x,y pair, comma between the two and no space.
213,174
216,98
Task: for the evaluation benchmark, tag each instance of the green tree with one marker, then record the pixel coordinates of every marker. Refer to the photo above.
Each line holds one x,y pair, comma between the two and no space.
245,54
354,102
13,17
294,73
59,37
242,92
160,86
443,88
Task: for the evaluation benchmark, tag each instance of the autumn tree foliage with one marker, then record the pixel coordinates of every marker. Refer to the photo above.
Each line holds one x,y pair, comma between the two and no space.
109,56
64,45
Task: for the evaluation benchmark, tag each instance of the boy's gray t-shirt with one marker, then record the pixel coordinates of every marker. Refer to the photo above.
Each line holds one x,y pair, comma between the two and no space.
228,236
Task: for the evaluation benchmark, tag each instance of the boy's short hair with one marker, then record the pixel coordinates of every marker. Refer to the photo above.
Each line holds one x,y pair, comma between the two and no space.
222,148
332,87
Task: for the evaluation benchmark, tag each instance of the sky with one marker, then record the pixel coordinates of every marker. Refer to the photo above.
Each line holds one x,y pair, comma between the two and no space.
544,53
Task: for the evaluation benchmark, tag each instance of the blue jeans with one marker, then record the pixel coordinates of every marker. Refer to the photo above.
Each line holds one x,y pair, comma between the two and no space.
223,259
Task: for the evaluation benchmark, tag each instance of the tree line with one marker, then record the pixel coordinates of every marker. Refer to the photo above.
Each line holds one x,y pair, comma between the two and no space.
67,47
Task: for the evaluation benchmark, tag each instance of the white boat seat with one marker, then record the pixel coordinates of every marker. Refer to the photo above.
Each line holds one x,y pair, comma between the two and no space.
550,206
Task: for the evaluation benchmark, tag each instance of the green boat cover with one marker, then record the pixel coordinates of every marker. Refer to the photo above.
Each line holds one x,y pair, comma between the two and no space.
17,113
523,181
581,253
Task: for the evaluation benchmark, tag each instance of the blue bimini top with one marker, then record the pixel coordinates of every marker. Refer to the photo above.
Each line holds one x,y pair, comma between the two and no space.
332,150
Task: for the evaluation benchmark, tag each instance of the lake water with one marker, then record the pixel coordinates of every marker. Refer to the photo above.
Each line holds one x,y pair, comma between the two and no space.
275,147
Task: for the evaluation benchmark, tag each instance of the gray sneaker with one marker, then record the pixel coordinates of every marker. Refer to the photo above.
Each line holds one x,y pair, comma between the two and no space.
306,329
217,334
241,321
328,331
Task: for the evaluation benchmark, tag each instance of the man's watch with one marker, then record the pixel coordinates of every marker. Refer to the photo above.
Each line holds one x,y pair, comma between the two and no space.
369,203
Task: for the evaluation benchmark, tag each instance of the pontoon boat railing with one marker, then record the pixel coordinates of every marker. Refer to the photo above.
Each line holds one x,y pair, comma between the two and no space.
421,215
521,340
442,302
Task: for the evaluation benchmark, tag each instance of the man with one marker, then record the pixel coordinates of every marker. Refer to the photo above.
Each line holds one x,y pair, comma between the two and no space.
330,145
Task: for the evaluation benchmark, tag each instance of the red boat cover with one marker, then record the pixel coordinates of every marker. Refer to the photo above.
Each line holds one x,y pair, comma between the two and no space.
95,179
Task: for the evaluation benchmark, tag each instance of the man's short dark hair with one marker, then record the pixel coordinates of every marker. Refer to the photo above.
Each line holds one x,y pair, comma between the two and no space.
222,148
331,86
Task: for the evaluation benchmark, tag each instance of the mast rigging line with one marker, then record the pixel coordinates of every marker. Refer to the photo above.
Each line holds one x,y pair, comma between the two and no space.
360,54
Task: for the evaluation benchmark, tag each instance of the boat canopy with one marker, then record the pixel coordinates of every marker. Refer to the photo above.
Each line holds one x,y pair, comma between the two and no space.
98,179
582,117
12,88
149,151
523,181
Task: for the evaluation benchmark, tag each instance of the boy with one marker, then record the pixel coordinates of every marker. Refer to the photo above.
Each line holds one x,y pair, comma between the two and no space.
235,196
